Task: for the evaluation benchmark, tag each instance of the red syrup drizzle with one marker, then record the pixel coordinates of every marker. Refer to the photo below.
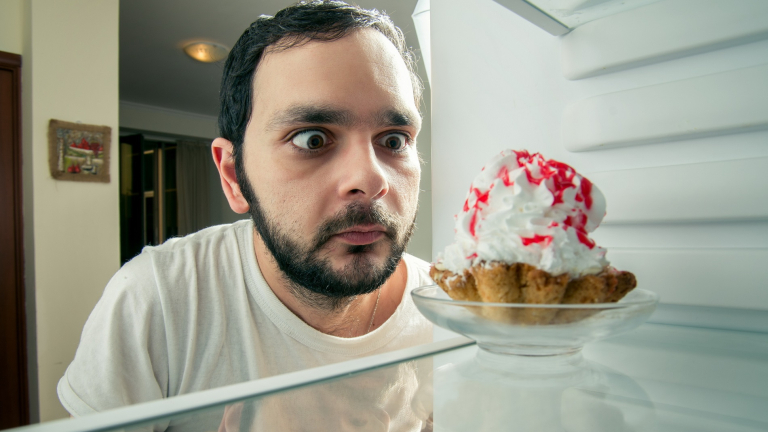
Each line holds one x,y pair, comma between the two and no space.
586,191
579,226
561,176
480,198
582,236
473,223
504,176
536,239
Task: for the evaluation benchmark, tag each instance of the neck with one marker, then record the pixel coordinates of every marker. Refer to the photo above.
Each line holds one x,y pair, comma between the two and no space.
345,317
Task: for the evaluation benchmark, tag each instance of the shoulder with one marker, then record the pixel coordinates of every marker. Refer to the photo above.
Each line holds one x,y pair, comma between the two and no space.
215,236
182,255
418,271
167,280
180,264
416,262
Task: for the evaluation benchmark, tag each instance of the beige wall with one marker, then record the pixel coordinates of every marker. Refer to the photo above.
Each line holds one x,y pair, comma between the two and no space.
70,72
11,25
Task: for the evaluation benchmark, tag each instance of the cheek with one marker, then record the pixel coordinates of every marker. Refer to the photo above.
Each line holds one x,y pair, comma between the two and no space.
290,205
405,184
296,208
292,185
286,192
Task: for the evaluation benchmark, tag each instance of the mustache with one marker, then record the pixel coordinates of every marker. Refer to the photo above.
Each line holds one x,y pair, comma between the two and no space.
357,214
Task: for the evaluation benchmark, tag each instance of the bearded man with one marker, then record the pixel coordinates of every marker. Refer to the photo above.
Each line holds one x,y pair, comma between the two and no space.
318,122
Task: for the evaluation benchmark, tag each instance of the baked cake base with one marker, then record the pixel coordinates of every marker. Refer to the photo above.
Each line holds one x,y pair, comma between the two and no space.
498,282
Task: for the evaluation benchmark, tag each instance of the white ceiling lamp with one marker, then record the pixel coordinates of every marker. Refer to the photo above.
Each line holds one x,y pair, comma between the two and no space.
206,52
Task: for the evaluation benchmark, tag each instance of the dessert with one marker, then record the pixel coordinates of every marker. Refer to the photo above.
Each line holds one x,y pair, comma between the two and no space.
523,237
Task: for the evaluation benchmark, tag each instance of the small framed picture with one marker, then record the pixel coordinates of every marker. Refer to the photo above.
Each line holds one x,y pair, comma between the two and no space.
79,152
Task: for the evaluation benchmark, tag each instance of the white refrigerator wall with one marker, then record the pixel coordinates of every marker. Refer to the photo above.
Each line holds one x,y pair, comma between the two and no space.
664,107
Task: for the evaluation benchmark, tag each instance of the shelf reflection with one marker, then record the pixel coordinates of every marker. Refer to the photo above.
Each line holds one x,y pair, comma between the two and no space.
492,392
375,400
477,390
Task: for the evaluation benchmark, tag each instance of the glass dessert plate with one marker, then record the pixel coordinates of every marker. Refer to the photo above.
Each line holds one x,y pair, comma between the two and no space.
534,329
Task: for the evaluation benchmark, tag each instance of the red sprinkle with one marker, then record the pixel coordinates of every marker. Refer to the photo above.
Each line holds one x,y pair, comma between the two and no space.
473,256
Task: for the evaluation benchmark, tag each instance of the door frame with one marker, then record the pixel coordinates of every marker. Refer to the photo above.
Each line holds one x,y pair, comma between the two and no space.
12,62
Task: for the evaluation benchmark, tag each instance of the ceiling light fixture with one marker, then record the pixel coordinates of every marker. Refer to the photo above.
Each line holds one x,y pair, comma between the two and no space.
206,52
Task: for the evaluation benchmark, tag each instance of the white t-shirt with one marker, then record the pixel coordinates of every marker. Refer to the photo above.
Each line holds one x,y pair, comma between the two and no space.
196,313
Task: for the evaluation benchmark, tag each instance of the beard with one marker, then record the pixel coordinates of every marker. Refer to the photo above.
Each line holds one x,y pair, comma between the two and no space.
310,274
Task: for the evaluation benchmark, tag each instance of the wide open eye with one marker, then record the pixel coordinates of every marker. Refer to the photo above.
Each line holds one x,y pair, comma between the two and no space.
310,139
394,141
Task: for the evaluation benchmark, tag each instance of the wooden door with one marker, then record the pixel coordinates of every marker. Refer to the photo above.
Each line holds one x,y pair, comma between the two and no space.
14,408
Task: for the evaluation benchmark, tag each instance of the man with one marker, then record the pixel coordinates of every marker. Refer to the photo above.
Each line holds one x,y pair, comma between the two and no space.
318,125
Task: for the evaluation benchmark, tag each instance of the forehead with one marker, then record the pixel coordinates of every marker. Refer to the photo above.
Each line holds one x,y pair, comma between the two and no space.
361,72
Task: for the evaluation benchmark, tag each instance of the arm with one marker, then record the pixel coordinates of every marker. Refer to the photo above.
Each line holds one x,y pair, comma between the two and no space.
122,356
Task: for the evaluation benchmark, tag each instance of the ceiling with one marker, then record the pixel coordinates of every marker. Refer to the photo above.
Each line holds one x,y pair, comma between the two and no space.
155,71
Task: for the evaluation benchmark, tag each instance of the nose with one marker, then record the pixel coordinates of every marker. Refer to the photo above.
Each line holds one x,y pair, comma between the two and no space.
361,174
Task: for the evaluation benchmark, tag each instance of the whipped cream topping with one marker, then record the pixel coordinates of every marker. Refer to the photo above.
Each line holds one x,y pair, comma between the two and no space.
527,209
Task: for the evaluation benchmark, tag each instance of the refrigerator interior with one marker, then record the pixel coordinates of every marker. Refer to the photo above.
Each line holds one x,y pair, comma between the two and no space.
664,106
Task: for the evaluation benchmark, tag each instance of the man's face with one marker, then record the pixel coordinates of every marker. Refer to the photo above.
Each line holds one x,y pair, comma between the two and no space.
330,157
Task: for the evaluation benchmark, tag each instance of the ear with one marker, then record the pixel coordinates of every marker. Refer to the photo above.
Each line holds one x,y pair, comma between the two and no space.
221,150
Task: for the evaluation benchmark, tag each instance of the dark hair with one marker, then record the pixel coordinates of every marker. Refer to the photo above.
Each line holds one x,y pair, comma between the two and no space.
317,20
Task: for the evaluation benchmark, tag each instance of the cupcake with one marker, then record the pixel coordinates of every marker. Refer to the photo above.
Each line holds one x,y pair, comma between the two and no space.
523,237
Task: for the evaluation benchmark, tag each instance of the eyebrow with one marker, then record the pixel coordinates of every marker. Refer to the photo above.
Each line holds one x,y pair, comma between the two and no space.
312,114
393,117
